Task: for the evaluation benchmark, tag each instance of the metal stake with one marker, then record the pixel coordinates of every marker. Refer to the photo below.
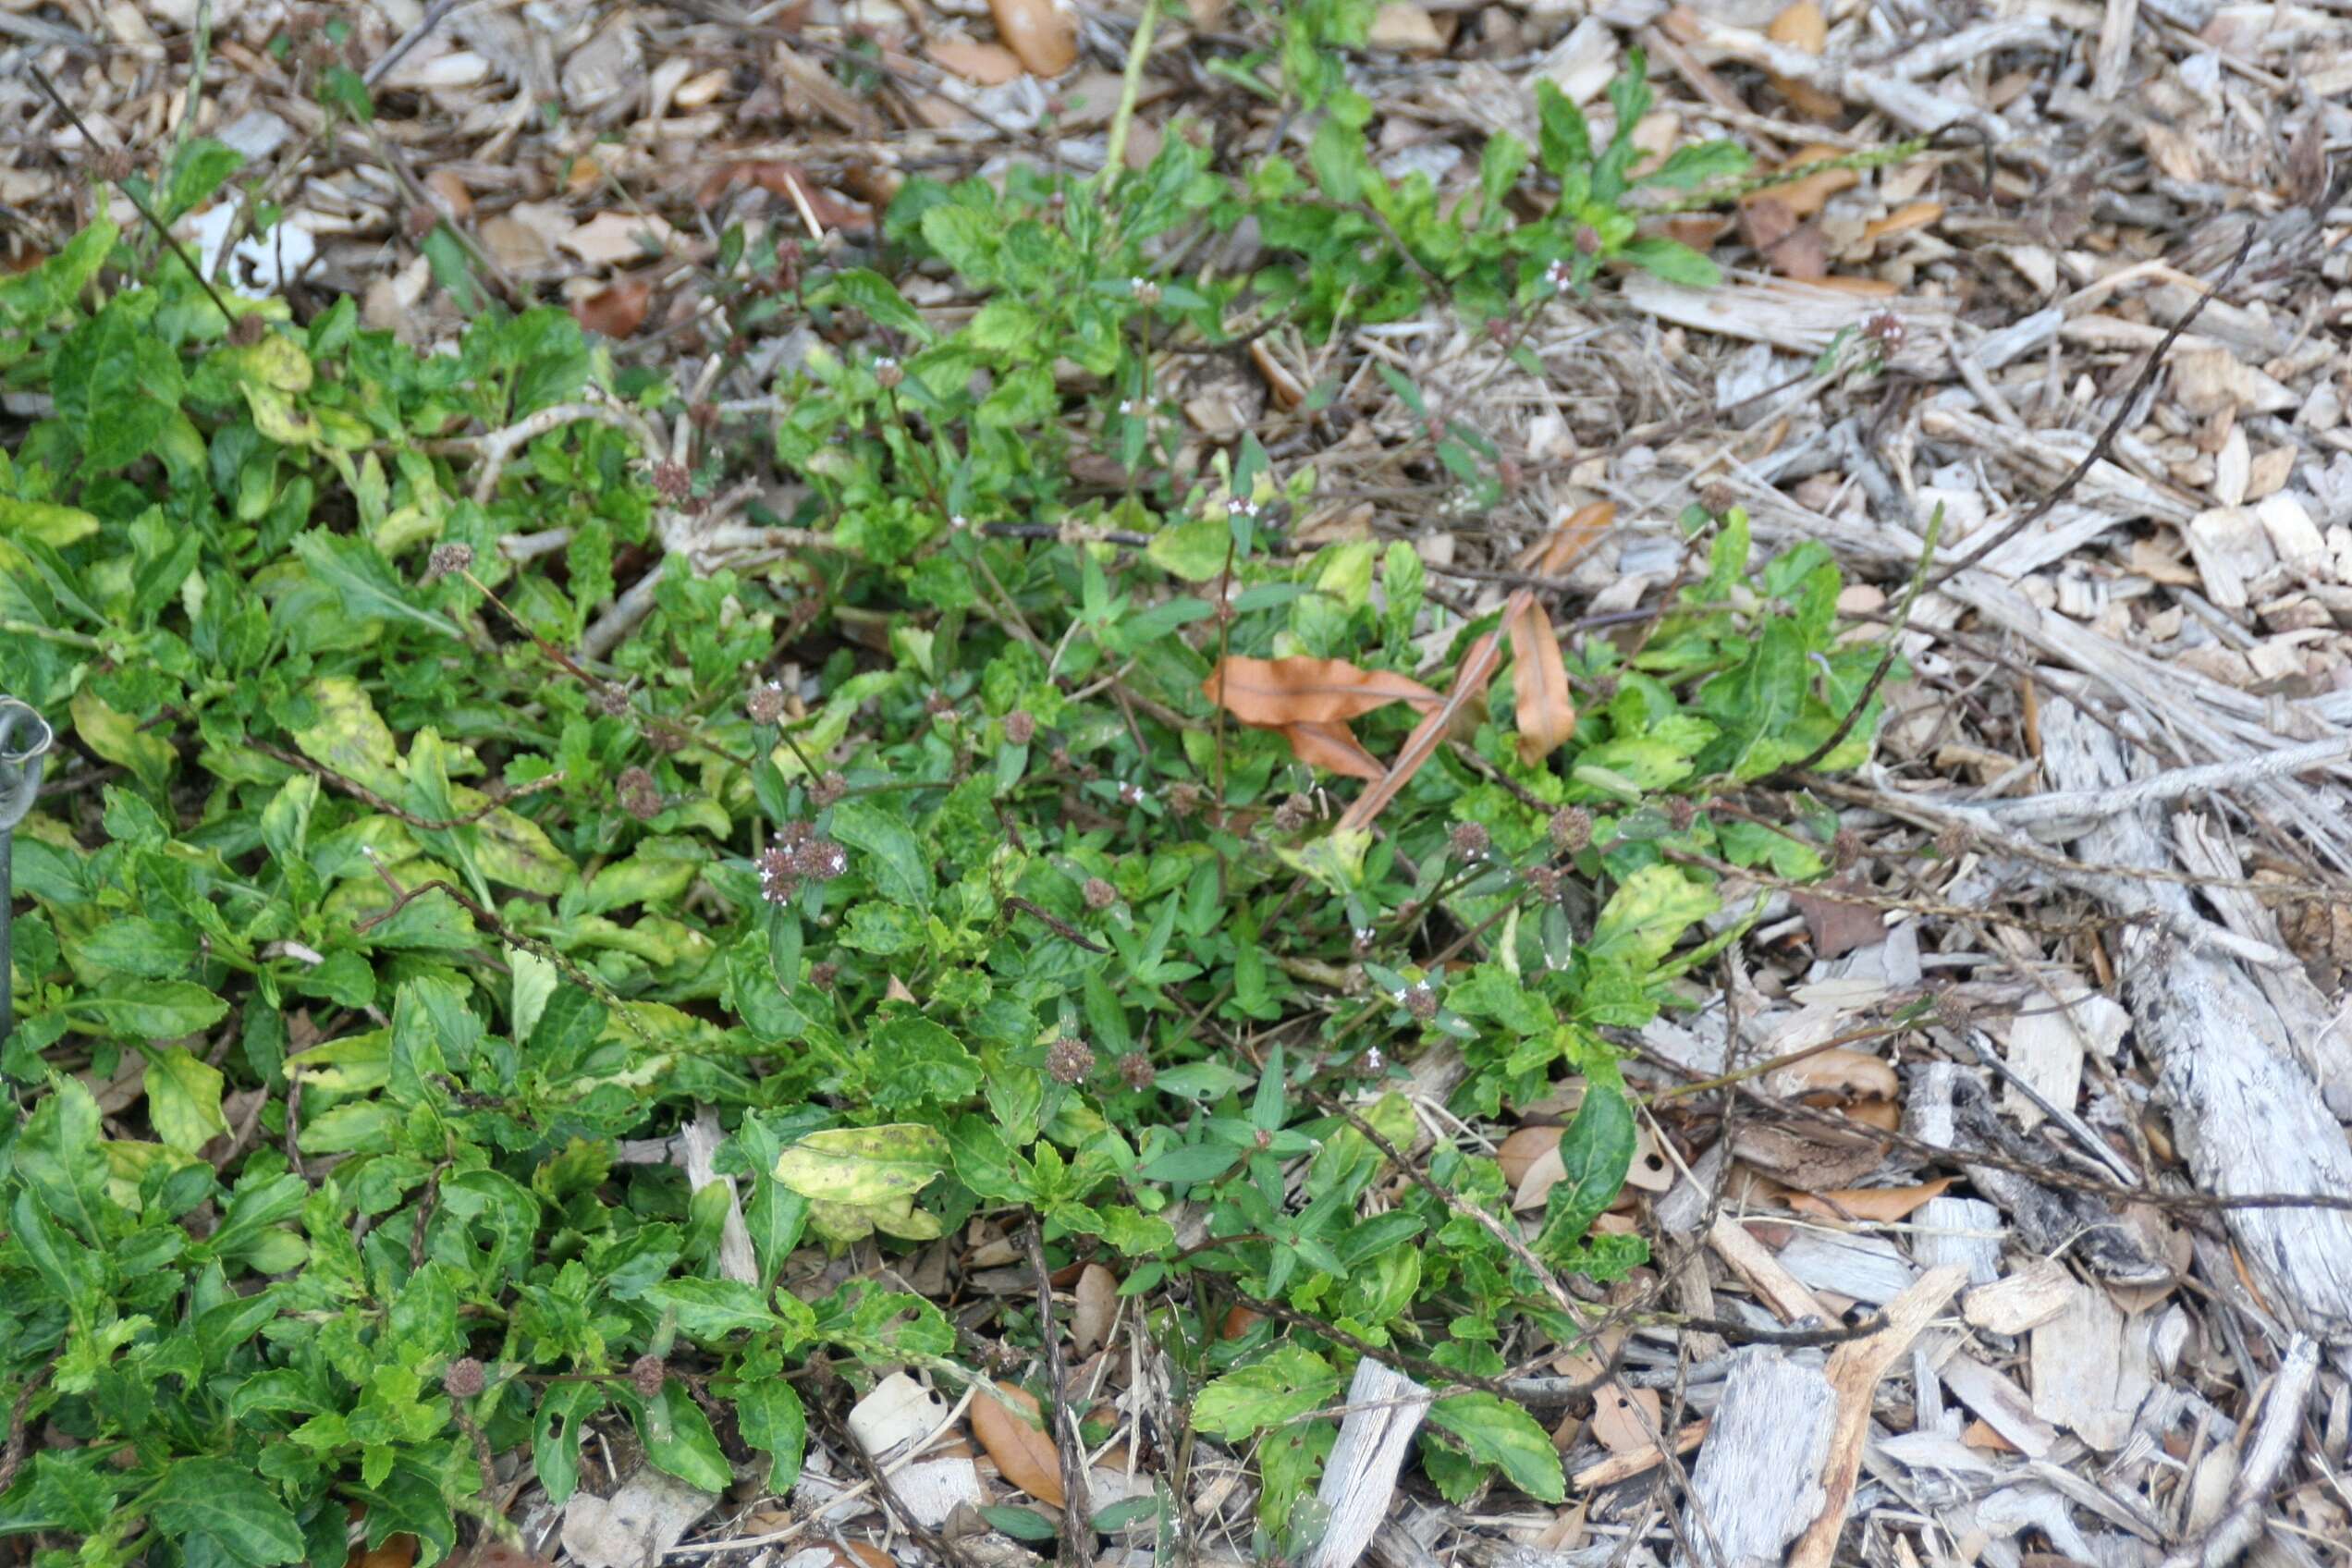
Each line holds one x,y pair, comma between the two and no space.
25,740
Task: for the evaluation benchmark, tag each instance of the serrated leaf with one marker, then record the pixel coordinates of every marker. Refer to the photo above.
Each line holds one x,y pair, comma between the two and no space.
1289,1383
184,1099
1495,1431
231,1507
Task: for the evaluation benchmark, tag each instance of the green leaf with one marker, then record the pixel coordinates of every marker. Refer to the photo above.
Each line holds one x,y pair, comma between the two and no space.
1596,1150
365,585
1289,1383
1673,261
556,1430
768,1414
1194,550
1497,1432
154,1010
916,1062
230,1505
1698,162
1565,141
865,289
679,1438
117,387
1193,1162
892,858
184,1099
1645,917
58,1156
204,167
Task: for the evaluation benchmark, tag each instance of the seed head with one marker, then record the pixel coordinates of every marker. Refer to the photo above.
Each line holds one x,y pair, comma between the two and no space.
249,330
1469,840
1845,847
778,880
1589,241
1570,828
1544,882
1070,1059
1136,1072
1421,1000
464,1378
1184,799
819,860
639,796
454,556
822,976
610,701
647,1374
1292,814
766,703
888,373
1147,291
1953,1011
825,788
111,165
1681,811
1100,894
1019,725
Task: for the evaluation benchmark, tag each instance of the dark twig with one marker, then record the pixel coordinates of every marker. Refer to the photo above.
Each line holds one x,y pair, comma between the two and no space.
361,793
12,1456
2099,447
136,200
1077,1548
1059,927
1886,658
929,1539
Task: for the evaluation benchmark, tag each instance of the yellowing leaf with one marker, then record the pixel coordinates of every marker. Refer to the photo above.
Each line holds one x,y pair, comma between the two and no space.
858,1180
184,1100
45,522
350,738
117,737
1547,712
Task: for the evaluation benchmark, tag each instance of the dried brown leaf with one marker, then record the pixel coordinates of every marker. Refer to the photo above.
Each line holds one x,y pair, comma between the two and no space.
1886,1205
1334,747
1800,26
1805,197
1626,1420
1917,214
1839,1072
397,1551
1519,1152
988,64
615,312
1097,1308
1008,1428
1574,539
1274,692
1469,688
1043,32
1840,925
1547,711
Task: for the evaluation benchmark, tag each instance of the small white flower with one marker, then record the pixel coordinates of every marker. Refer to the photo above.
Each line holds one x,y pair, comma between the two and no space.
959,521
884,361
1374,1061
1366,933
1132,793
1127,406
1557,276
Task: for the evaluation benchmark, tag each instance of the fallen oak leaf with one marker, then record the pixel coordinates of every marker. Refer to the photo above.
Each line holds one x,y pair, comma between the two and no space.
1006,1425
1547,711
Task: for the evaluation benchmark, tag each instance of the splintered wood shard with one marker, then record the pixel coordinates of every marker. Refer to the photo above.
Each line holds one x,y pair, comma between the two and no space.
1359,1479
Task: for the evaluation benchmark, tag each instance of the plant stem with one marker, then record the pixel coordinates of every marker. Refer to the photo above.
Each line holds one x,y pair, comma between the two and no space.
1131,86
